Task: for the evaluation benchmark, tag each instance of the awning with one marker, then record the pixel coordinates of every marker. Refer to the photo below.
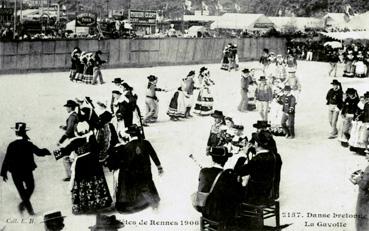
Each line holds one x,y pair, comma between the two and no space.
347,35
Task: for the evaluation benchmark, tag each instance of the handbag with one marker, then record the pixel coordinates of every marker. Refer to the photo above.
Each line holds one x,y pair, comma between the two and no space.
199,198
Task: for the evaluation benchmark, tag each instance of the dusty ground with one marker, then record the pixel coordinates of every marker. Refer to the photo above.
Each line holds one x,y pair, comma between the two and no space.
314,174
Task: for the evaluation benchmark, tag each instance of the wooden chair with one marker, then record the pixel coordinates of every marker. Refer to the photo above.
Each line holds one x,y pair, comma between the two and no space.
209,225
261,213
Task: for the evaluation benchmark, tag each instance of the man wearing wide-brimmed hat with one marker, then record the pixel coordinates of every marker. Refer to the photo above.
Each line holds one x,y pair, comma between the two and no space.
288,118
71,123
19,161
152,101
53,221
245,82
106,223
264,96
335,102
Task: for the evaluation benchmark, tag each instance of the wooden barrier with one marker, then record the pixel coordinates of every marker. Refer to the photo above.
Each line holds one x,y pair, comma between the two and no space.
26,56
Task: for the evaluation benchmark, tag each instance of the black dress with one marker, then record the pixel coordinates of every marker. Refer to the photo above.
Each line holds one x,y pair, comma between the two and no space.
136,189
90,191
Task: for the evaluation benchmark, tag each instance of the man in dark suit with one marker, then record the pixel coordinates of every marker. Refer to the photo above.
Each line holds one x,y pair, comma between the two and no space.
71,123
20,163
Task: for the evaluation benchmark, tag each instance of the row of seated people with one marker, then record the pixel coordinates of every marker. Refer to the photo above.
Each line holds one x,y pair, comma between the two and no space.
228,187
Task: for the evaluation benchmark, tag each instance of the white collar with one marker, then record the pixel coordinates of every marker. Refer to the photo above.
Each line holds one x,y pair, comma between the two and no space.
262,151
71,112
18,137
215,165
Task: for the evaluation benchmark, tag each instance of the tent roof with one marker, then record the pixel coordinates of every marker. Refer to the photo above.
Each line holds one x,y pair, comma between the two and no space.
347,35
202,18
239,21
359,22
300,22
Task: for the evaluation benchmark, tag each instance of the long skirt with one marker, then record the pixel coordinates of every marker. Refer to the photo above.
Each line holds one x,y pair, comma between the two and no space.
90,192
87,79
360,69
72,74
275,117
344,128
359,135
177,105
349,69
135,194
204,103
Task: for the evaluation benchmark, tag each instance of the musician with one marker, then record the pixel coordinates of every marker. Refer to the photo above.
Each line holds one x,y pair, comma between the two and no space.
215,138
71,123
221,204
264,171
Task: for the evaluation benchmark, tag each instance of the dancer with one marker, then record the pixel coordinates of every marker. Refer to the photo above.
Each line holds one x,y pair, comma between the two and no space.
264,96
97,62
19,161
188,88
288,118
217,131
89,189
349,110
74,60
151,101
245,82
334,101
136,189
204,104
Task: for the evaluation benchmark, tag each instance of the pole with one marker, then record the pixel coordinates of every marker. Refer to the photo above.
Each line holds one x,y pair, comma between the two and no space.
15,18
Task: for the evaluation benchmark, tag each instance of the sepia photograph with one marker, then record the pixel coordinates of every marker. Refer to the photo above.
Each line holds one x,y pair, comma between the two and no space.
184,115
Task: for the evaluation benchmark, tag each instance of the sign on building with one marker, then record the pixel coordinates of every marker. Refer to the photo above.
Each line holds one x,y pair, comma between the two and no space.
86,20
142,16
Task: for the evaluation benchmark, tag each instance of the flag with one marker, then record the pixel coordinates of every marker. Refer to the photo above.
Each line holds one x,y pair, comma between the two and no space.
204,6
237,7
188,5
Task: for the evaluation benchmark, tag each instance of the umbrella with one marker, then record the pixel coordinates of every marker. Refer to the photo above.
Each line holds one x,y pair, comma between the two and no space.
333,44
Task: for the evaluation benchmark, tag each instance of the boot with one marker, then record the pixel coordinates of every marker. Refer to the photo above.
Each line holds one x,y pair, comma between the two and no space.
187,113
292,132
29,208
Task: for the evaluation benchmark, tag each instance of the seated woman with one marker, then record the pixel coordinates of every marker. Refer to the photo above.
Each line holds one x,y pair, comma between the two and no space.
222,203
89,191
264,171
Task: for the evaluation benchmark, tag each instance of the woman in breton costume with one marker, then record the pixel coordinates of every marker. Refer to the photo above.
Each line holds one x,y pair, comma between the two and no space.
89,189
204,104
359,134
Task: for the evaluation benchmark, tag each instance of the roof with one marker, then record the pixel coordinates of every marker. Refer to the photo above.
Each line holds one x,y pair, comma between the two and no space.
347,35
202,18
240,21
359,22
299,22
335,19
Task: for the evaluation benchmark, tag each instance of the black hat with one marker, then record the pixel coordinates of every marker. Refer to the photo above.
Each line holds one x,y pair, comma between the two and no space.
126,86
262,78
20,127
266,50
101,104
99,52
350,91
263,138
104,221
191,73
219,151
133,130
116,92
202,69
287,88
246,70
335,82
366,95
238,127
117,80
152,78
261,124
70,103
52,215
217,114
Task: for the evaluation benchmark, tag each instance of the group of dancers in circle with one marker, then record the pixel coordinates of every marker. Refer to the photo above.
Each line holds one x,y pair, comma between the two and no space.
349,117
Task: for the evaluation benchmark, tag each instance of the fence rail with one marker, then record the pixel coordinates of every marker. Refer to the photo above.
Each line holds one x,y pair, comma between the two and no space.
55,55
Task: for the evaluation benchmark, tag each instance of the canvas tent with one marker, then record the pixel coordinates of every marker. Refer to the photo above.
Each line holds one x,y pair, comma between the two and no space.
359,22
238,21
299,23
347,35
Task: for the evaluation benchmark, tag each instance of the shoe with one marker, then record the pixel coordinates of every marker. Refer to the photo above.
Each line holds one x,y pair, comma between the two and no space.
291,137
287,136
332,136
21,207
66,179
145,125
102,82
